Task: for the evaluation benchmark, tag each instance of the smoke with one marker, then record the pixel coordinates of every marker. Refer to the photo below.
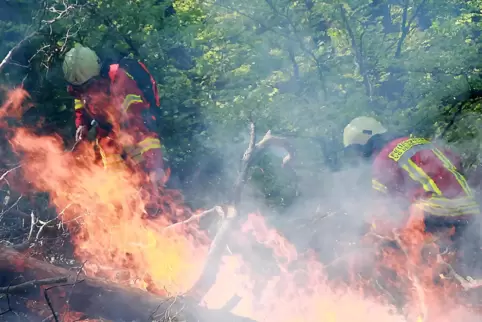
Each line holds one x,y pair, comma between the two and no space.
285,262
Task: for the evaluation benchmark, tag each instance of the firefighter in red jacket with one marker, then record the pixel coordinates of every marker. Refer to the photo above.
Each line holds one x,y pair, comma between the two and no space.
418,173
116,106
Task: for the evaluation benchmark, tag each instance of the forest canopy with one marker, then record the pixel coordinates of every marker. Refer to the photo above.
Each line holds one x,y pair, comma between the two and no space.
300,68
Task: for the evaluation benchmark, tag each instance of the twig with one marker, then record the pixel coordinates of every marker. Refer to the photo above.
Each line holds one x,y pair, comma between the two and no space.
47,299
2,177
11,207
7,294
49,303
45,223
216,209
73,285
26,243
466,283
8,57
34,283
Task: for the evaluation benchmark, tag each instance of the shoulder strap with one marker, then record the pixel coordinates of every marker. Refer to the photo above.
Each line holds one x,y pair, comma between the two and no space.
113,71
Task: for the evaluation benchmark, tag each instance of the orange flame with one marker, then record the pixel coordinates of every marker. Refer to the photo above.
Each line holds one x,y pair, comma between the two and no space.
105,212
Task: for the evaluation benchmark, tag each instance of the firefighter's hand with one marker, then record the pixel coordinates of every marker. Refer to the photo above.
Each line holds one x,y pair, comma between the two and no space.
157,177
81,133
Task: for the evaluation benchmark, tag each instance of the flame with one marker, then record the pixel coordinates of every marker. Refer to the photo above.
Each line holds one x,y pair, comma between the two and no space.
105,212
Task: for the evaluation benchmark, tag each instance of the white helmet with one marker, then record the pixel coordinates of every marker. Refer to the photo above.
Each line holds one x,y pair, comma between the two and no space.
360,130
80,65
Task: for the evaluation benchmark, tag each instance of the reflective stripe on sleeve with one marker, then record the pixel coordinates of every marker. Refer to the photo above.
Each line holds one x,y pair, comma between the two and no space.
129,100
451,167
78,104
136,152
377,185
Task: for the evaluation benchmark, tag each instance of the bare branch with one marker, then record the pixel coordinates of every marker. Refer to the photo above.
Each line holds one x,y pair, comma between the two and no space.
215,210
26,243
466,283
6,60
31,284
219,243
2,177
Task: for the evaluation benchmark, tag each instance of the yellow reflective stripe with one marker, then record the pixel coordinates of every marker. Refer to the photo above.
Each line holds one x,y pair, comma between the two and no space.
418,175
129,100
377,185
449,212
450,207
136,152
451,167
149,144
143,146
78,104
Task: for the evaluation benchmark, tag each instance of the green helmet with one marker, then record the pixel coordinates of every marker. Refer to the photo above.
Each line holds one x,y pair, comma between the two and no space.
80,65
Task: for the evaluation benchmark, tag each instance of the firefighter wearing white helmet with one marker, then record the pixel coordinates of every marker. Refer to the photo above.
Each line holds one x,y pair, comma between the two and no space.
360,130
415,172
80,65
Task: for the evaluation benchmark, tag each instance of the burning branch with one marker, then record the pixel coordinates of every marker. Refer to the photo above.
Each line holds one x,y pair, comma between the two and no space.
215,210
466,283
413,275
219,243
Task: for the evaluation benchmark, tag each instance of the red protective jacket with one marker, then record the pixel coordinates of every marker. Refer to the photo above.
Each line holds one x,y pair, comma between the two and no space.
118,102
417,171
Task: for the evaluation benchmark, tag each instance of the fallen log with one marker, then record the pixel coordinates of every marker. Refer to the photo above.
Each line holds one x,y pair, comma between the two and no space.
94,297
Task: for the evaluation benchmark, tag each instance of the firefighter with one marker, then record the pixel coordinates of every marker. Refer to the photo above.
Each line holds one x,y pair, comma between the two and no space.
419,173
109,98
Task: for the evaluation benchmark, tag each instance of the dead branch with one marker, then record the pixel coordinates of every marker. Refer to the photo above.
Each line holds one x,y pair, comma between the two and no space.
6,60
215,210
4,175
31,284
466,283
101,299
219,243
26,243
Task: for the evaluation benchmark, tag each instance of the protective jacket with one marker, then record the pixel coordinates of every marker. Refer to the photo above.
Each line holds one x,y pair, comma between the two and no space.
117,105
424,174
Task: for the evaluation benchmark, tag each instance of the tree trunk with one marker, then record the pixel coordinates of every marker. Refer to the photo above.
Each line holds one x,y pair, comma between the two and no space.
93,297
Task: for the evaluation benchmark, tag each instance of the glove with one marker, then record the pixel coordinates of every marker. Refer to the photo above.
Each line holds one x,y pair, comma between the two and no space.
81,133
158,179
